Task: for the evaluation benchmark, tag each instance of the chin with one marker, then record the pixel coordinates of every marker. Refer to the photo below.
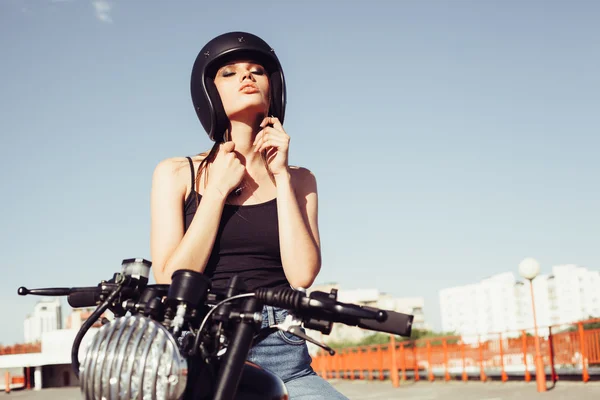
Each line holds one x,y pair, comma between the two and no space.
247,110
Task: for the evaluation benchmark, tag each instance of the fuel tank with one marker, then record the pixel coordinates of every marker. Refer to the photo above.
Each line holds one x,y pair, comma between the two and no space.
259,383
256,383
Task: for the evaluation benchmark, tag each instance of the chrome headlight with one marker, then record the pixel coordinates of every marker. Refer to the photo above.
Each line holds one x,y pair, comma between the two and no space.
133,357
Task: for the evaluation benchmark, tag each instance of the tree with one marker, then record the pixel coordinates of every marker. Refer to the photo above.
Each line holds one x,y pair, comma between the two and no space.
586,326
384,338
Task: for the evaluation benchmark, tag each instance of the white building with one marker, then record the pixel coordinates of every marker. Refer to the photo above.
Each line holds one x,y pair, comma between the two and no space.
574,294
407,305
52,366
78,316
46,317
544,305
502,303
485,307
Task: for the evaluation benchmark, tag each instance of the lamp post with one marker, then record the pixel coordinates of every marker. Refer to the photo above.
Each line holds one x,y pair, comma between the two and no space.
529,268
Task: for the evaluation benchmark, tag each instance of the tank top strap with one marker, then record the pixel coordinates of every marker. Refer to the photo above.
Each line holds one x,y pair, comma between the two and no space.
193,185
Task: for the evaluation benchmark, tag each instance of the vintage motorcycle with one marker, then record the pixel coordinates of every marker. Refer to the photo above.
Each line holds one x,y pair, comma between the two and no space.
188,340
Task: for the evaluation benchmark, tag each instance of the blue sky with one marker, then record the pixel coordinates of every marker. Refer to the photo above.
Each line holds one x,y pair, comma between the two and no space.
450,139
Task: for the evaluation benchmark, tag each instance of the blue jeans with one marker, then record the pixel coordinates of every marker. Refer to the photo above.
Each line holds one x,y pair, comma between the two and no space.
287,357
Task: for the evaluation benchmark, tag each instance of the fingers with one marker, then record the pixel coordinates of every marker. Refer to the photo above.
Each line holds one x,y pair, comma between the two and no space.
273,121
227,154
264,145
260,137
271,153
264,136
271,141
270,137
227,147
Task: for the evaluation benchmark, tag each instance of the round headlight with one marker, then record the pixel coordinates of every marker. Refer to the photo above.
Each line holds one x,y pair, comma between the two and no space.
133,357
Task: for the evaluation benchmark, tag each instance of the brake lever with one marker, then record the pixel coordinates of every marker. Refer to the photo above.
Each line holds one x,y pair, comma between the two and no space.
292,325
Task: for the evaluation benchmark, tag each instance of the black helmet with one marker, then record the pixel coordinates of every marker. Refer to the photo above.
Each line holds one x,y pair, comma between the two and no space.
223,48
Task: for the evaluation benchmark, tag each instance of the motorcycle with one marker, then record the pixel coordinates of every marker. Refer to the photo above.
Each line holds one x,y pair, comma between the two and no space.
188,340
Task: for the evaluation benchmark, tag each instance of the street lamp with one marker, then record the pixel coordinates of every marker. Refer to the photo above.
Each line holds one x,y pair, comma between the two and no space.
529,268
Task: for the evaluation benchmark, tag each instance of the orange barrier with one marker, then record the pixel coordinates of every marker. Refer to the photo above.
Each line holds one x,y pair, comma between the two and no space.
568,349
21,348
11,382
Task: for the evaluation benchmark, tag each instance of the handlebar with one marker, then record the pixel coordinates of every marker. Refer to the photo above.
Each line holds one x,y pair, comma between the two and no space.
190,293
77,297
324,306
23,291
317,306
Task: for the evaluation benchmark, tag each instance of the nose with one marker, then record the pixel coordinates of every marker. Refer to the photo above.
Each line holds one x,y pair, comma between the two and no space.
247,74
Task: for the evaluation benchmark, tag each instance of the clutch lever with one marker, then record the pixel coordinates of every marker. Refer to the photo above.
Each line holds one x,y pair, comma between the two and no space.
292,325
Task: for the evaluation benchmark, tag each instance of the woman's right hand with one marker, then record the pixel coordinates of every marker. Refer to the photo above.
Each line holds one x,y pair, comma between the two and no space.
226,171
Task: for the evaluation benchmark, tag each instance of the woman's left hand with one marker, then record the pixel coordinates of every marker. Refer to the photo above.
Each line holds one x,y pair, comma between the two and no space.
276,142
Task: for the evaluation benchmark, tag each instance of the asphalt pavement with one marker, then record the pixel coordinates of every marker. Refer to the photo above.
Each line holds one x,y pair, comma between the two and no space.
359,390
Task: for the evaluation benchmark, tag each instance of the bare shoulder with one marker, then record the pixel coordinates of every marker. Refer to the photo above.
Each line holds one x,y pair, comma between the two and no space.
170,168
301,173
175,166
173,174
303,178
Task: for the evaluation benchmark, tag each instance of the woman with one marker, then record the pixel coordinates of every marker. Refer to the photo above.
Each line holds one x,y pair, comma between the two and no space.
240,208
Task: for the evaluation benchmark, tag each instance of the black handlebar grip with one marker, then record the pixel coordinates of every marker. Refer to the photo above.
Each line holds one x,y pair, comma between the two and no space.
395,323
83,299
283,298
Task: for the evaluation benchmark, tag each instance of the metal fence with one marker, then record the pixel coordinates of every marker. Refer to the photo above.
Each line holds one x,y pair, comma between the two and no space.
572,349
21,348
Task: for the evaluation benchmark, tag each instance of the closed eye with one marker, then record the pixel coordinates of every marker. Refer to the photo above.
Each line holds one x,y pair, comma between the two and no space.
255,71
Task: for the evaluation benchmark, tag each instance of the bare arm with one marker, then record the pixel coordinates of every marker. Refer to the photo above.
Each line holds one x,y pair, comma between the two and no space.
297,208
170,249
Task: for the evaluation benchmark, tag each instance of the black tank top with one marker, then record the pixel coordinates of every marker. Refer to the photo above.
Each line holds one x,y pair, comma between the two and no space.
246,244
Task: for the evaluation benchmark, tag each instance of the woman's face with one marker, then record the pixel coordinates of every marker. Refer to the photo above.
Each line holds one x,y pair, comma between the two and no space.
244,88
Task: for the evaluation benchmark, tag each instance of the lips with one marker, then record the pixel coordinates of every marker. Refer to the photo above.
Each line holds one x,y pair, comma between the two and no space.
249,88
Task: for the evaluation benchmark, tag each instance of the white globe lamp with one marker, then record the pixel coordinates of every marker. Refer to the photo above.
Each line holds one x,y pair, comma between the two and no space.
529,268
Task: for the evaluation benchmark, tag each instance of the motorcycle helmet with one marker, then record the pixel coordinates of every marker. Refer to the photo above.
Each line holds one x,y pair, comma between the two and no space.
218,51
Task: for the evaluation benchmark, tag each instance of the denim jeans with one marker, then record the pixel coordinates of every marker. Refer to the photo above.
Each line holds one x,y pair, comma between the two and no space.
287,357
